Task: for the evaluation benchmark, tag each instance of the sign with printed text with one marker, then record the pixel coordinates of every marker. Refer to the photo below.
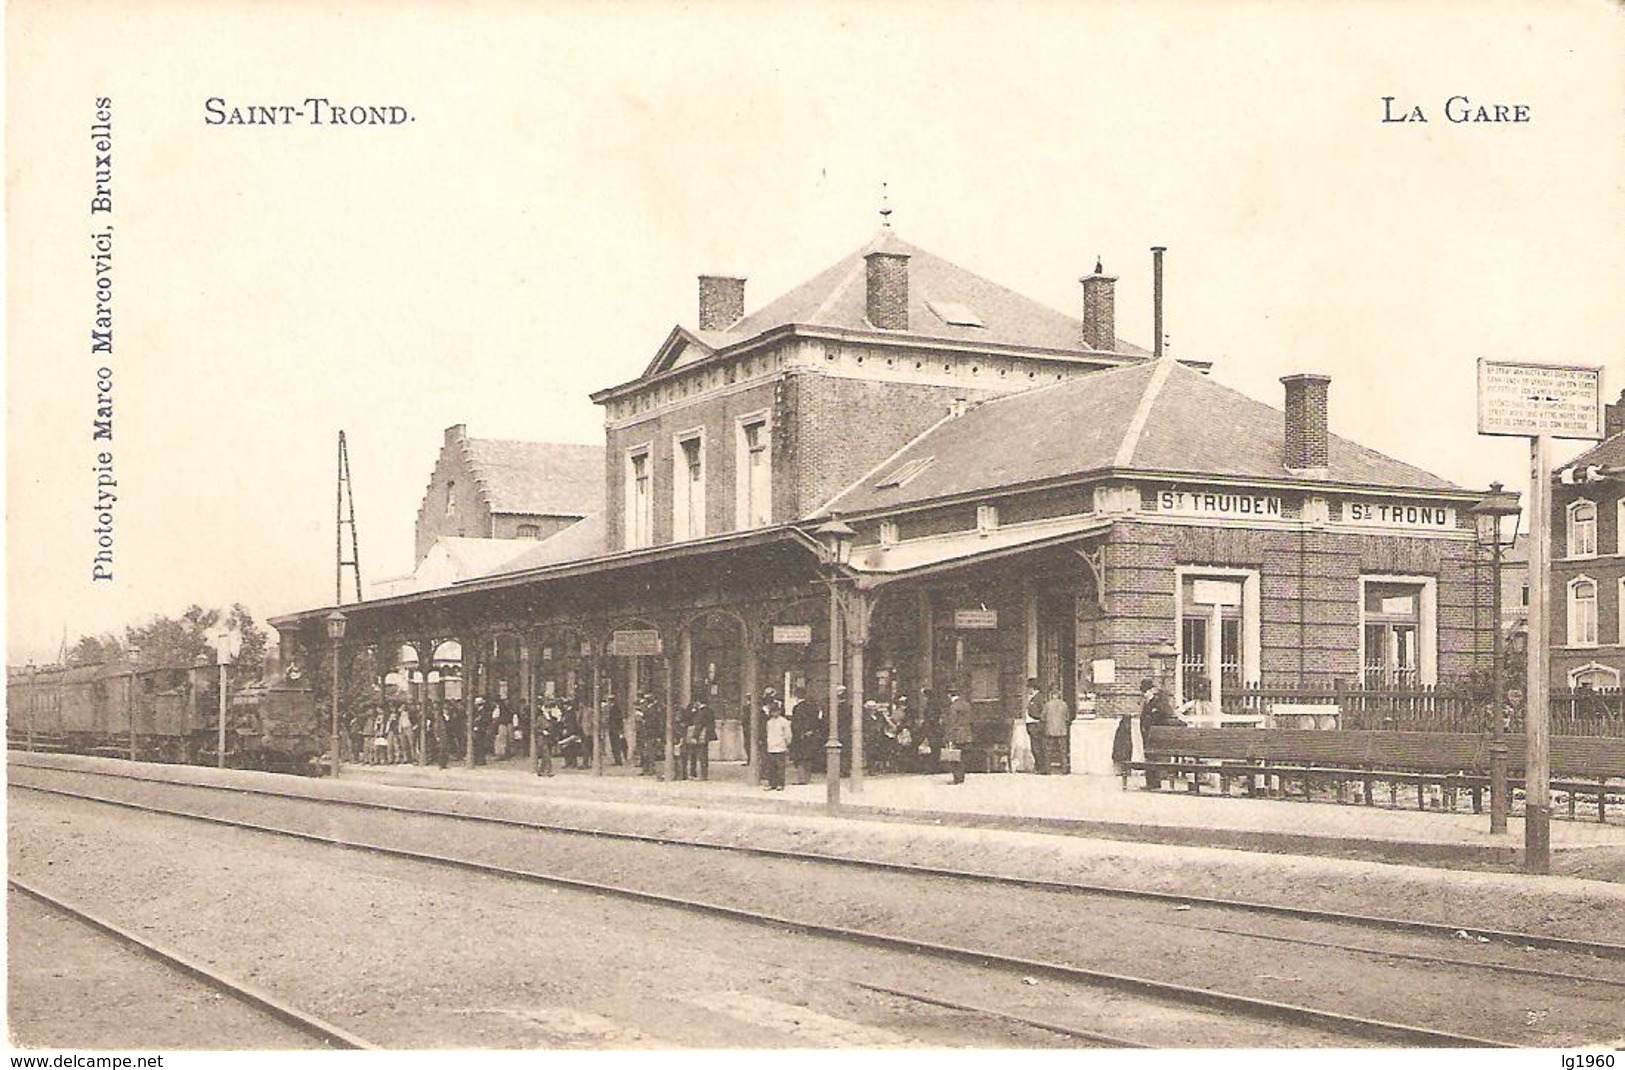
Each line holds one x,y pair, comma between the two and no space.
634,643
1230,504
1399,514
1560,400
971,619
792,634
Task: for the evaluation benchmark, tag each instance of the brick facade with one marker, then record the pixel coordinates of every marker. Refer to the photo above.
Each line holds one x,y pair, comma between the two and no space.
1605,568
453,481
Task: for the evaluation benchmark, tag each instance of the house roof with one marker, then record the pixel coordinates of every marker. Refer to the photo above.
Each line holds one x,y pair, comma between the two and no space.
582,540
538,478
1610,451
453,558
1156,417
837,297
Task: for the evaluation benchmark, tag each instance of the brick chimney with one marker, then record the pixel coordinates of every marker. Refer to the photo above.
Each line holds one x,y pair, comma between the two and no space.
1307,448
722,302
1613,417
888,290
1100,310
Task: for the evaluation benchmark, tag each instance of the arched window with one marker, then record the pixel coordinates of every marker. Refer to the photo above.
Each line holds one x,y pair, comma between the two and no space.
1582,612
1583,529
1598,676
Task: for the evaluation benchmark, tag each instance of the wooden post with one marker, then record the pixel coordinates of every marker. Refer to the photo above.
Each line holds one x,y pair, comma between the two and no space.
467,647
753,740
1537,759
832,745
597,721
928,646
668,702
859,605
527,694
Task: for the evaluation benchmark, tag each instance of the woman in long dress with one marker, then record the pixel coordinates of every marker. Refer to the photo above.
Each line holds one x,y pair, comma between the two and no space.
1021,747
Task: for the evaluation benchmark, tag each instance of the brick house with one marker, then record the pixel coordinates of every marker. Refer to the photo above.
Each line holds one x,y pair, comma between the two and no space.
1033,497
485,488
1588,564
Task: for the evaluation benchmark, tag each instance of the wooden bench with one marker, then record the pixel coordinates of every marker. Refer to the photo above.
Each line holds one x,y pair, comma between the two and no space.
1454,762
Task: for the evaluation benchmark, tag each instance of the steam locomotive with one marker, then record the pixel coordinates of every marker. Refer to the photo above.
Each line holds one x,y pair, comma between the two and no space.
163,714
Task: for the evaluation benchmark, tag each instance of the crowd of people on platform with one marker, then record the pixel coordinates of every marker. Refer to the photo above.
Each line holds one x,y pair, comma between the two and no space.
900,734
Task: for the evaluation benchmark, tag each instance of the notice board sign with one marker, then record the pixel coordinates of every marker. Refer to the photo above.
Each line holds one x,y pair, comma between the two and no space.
792,634
634,643
1523,399
972,619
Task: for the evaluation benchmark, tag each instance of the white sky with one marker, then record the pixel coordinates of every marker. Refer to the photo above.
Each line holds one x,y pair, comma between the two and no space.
537,230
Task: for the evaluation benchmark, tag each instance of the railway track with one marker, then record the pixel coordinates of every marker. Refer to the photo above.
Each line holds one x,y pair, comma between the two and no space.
1446,930
1369,1030
241,991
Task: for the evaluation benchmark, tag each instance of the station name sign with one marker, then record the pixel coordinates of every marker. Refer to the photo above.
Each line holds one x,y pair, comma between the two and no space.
634,643
1219,503
1384,513
1560,400
792,634
971,619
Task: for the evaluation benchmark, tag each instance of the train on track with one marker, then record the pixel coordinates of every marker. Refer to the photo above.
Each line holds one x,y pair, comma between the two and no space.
163,714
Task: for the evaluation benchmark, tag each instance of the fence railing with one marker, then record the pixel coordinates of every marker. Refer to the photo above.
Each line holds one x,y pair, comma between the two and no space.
1583,712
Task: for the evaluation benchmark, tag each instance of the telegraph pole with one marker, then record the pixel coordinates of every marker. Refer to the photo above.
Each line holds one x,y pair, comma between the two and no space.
1537,807
1539,402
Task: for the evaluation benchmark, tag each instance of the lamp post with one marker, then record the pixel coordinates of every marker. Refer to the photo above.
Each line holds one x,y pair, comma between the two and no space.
835,538
1487,516
134,656
336,621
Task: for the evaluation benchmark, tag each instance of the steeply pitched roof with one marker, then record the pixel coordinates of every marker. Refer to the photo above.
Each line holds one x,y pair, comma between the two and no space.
1154,417
543,478
1610,452
836,297
581,540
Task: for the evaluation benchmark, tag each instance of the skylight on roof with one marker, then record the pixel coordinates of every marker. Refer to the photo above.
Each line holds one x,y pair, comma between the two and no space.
905,472
955,313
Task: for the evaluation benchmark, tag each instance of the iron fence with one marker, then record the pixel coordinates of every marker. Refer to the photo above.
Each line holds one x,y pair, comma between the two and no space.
1443,708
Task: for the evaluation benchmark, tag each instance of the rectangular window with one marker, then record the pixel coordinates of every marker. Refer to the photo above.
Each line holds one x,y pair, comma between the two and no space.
639,500
1196,632
754,474
688,482
1398,632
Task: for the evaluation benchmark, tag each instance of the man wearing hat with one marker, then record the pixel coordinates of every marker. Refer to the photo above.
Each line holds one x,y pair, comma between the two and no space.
1034,716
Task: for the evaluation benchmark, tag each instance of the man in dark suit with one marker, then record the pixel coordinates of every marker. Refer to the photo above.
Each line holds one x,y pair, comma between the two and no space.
701,729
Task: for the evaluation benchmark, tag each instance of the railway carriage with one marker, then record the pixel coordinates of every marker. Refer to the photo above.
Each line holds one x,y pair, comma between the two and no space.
165,714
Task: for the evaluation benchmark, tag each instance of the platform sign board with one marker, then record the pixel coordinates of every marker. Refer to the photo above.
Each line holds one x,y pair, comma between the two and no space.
634,643
792,634
972,619
1522,399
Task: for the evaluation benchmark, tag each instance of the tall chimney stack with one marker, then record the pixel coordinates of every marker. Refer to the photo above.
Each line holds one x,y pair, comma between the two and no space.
887,290
722,302
1100,310
1613,417
1307,443
1156,296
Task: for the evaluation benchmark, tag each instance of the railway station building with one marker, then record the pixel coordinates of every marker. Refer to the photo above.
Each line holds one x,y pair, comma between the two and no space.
1031,497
